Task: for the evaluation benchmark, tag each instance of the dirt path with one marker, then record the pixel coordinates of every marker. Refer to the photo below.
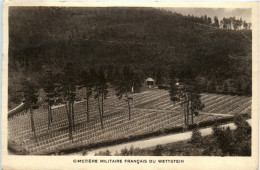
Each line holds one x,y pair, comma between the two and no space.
157,140
215,114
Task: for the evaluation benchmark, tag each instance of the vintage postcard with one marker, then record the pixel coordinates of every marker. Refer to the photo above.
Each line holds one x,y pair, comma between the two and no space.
130,85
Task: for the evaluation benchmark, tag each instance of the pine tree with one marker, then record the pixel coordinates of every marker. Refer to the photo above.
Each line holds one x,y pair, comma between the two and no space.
50,87
209,21
188,94
159,77
68,82
125,82
100,88
216,22
87,81
29,90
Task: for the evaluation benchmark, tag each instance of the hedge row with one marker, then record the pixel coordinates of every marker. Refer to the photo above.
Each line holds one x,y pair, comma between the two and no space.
167,87
164,87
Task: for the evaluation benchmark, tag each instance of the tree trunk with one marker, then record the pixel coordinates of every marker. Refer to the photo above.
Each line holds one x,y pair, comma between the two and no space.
49,119
33,126
133,87
192,118
73,116
192,112
184,113
69,119
87,109
99,109
71,122
50,115
129,113
188,111
102,103
100,114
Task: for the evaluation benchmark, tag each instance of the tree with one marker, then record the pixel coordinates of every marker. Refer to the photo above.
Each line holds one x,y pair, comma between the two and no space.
96,89
196,137
239,84
159,77
232,23
158,150
205,19
223,138
221,24
190,99
14,95
188,94
248,88
124,84
110,73
236,24
100,88
225,88
245,25
212,86
225,23
174,90
129,80
242,135
201,19
216,22
201,81
124,152
173,87
240,23
68,88
196,103
87,81
236,142
137,80
209,21
249,25
49,86
29,90
107,153
103,153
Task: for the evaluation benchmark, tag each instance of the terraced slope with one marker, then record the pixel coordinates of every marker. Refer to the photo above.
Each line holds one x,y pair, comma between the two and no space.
151,111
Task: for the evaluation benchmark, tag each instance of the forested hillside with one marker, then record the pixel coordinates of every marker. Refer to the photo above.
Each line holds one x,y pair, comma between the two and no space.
152,40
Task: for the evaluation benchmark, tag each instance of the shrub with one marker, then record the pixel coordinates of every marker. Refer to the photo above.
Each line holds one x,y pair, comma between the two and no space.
196,137
107,153
138,151
172,150
103,153
158,150
131,150
192,126
84,152
124,152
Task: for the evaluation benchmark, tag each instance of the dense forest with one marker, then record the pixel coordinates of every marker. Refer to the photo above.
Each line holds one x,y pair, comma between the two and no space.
153,41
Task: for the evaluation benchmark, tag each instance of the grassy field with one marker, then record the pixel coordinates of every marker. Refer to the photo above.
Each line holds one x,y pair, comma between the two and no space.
151,111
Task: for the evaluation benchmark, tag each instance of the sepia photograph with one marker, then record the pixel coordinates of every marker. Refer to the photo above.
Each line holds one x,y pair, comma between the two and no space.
130,81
